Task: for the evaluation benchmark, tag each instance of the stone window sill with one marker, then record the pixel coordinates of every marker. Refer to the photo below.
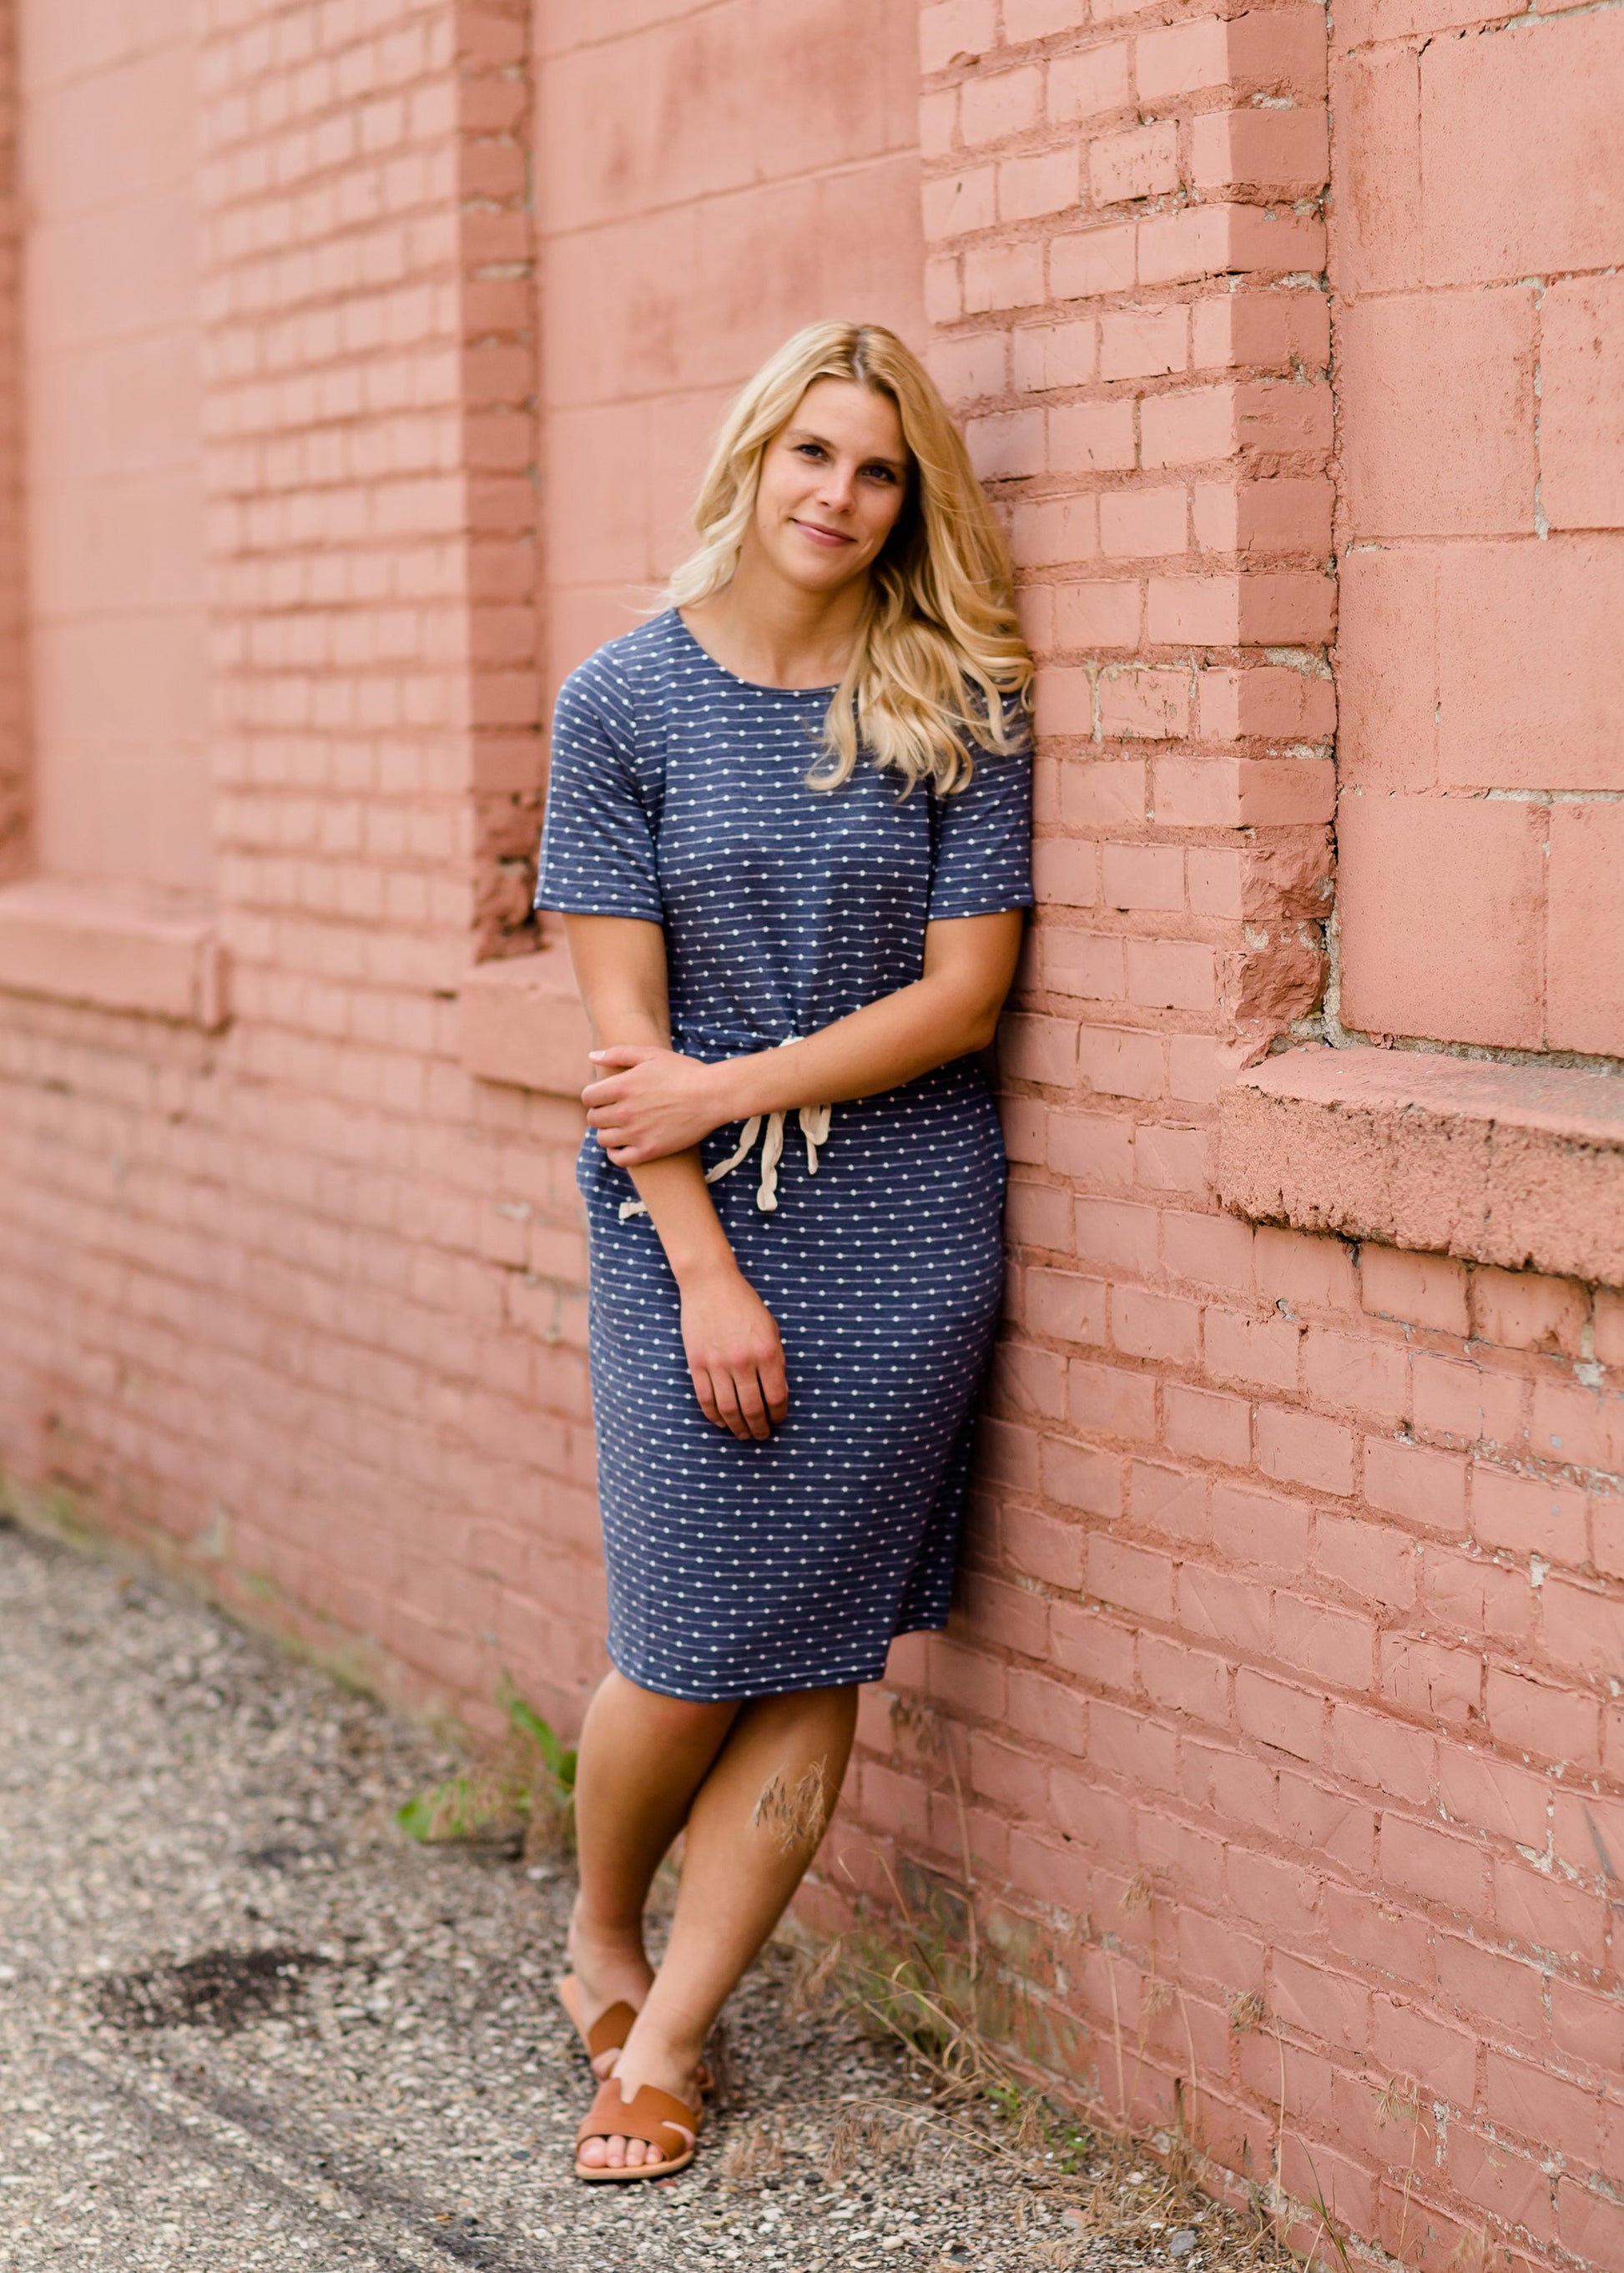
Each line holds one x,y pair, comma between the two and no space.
521,1021
1518,1166
114,948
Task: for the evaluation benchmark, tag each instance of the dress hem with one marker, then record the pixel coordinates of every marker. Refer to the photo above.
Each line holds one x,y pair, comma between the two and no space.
742,1696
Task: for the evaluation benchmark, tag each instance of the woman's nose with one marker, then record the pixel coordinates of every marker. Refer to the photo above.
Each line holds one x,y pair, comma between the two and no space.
836,488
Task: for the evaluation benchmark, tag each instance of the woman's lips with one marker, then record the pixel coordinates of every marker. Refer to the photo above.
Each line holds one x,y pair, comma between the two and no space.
820,536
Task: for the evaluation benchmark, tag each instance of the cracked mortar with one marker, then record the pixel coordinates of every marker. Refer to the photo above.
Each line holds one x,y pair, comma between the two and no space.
242,2023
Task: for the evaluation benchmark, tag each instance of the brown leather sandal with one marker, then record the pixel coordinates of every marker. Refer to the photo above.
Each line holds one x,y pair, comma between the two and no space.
651,2115
609,2031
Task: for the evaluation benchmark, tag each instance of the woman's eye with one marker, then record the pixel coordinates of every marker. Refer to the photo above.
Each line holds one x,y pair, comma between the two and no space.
809,449
879,473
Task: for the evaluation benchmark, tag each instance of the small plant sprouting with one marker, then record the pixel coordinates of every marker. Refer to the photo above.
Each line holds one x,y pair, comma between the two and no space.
523,1797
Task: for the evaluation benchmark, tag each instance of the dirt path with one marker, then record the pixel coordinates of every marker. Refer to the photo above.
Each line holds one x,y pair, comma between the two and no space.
245,2023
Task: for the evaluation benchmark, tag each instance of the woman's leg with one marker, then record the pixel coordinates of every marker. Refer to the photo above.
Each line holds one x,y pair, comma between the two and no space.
752,1827
641,1757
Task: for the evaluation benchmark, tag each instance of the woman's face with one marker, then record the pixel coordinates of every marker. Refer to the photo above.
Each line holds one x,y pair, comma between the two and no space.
832,483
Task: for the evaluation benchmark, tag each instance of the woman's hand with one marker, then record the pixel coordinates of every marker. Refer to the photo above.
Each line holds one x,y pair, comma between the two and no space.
651,1102
735,1357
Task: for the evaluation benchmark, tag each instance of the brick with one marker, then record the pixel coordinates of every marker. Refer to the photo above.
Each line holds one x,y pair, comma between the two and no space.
1111,1233
1159,1326
1141,163
1112,1400
1538,1718
1065,1304
1502,679
1406,2041
1078,1476
1582,1627
1168,1501
1199,241
1202,1424
1300,1270
1516,130
1065,873
1465,1401
1436,1865
1425,1677
1049,356
1291,1719
1425,1290
1520,1309
1472,1596
1164,974
1089,85
1000,103
999,276
1526,1516
1372,1561
1582,404
1380,1753
1220,1607
1548,1918
1103,793
1264,1351
1146,524
1259,517
1334,1645
1098,615
1560,2117
1478,980
1286,151
1377,1935
1154,705
1091,261
1261,1528
1584,930
1122,1062
1143,876
1298,1447
950,28
1144,343
1093,1148
1086,438
1209,1250
1409,468
1180,1679
1046,182
1054,530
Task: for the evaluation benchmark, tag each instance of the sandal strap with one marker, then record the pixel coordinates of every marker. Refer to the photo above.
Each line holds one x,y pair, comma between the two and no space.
651,2115
610,2028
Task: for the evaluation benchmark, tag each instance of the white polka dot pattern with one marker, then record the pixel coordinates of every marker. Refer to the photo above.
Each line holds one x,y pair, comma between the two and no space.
678,796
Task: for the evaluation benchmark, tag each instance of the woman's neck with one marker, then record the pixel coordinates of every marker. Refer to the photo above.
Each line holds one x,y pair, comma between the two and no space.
762,627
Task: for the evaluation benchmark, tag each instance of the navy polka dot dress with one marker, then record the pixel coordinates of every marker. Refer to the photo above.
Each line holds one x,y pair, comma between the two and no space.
678,796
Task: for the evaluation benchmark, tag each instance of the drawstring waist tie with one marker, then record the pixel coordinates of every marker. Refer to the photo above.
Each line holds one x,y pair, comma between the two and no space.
814,1121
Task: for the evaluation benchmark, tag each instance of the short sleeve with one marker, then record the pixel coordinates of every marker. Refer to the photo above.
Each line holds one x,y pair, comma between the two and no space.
983,852
598,849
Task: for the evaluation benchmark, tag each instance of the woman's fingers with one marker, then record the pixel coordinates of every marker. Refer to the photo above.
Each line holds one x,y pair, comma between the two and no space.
775,1385
700,1376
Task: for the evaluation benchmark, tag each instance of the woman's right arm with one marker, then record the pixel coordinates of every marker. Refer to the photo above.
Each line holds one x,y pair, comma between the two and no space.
735,1357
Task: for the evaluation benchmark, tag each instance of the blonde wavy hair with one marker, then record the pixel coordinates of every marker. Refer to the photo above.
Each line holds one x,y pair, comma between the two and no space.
939,665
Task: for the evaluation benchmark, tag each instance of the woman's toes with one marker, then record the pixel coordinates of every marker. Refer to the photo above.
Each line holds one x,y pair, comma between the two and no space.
593,2153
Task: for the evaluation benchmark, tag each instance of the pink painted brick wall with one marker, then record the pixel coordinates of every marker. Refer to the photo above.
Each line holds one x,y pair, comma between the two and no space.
113,509
710,176
15,761
1480,378
1280,1703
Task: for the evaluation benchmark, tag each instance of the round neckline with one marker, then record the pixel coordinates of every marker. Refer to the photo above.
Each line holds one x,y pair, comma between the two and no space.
755,685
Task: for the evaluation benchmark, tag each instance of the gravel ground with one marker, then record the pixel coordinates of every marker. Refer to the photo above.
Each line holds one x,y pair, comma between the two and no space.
245,2023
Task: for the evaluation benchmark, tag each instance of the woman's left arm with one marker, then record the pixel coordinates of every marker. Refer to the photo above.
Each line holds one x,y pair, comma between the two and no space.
651,1102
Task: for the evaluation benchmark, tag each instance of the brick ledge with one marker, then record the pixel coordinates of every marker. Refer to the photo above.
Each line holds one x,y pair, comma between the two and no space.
1518,1166
115,947
521,1021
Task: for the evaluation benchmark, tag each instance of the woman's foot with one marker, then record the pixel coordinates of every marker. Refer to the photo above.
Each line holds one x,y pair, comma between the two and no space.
643,2060
607,1970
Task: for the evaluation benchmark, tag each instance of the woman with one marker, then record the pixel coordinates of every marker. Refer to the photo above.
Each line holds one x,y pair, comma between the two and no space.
795,808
